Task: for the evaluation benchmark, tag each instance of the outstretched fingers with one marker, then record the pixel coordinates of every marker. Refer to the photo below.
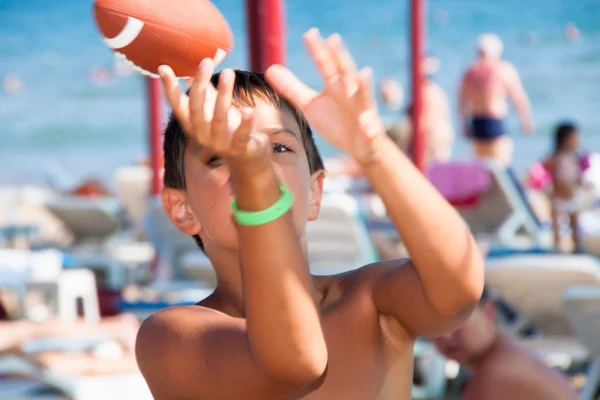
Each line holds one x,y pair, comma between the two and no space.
201,108
346,67
241,136
289,86
369,118
178,100
321,54
334,62
219,128
364,92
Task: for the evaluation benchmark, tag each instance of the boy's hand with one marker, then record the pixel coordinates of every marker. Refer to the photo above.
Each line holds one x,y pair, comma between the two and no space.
345,112
208,117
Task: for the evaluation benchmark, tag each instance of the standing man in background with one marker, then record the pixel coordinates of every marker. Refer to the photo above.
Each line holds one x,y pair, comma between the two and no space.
437,123
483,105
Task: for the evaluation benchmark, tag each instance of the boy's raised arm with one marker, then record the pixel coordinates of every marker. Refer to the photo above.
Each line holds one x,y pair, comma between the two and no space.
444,279
280,348
447,278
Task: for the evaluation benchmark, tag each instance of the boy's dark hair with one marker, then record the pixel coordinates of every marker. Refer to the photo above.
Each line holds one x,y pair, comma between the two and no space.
562,133
248,87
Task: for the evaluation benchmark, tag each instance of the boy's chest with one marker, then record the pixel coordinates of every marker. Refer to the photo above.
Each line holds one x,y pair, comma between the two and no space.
365,361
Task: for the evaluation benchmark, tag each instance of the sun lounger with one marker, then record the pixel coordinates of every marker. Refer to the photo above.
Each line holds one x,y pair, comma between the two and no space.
534,284
20,363
502,212
113,387
582,306
132,187
27,389
338,240
88,218
503,215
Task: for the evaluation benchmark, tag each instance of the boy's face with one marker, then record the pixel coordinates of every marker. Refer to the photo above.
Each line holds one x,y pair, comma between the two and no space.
204,207
472,339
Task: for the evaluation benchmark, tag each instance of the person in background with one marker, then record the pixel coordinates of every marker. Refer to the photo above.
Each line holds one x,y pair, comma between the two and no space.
484,91
437,124
569,195
499,368
391,93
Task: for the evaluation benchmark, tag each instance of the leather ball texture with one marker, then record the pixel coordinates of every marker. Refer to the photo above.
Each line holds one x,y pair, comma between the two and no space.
150,33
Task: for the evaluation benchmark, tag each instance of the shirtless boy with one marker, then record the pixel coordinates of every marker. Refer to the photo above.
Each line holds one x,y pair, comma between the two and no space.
484,91
500,369
270,330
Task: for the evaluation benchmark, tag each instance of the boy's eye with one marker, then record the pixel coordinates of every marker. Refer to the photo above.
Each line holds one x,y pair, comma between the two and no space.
279,148
214,159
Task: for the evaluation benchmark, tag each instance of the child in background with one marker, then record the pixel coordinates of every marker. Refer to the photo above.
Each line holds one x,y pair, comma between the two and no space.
569,195
499,368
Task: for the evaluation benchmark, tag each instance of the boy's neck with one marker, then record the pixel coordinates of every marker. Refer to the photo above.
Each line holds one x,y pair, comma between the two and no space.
228,296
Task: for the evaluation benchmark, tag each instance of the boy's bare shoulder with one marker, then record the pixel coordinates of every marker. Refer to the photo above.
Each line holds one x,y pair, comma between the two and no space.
197,352
173,323
166,328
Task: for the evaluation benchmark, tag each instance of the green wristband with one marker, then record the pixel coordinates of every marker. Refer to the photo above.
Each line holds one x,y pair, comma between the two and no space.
277,210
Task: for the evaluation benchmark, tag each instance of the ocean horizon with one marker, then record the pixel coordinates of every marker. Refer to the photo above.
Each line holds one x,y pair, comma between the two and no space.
67,118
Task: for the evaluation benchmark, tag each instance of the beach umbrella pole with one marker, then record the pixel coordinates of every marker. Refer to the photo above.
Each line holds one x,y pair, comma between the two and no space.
266,33
154,136
417,56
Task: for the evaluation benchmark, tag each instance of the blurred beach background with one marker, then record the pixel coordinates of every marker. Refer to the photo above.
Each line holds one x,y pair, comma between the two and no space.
62,112
70,112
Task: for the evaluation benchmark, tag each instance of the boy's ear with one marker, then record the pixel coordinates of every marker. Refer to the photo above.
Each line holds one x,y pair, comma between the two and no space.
316,193
177,208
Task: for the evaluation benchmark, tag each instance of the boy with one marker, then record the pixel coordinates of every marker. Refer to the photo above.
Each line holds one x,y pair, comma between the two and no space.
270,330
500,369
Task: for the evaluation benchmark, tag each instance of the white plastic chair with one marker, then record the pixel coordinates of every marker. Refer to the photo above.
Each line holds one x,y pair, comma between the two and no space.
19,268
74,285
70,286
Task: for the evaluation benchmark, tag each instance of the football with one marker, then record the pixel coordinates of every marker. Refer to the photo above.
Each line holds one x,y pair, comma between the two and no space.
150,33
